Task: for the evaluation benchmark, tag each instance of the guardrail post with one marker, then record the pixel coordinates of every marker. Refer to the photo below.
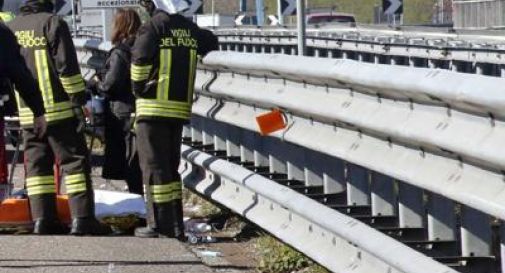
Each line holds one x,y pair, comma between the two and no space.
196,133
502,245
260,156
220,137
331,54
275,160
314,168
454,66
232,141
333,175
502,71
247,146
412,62
411,209
479,68
358,186
186,131
293,50
432,63
441,218
392,60
475,233
208,131
383,196
295,162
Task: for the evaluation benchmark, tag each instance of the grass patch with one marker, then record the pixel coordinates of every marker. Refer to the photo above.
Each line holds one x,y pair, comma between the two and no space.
276,257
197,207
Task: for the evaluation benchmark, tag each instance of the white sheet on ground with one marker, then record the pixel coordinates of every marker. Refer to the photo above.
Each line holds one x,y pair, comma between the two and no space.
113,203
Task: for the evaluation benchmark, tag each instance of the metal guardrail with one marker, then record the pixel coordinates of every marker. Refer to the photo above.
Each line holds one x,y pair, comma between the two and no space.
415,157
479,54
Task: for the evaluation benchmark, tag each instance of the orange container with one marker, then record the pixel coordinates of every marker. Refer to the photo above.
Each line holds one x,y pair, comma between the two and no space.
14,212
271,122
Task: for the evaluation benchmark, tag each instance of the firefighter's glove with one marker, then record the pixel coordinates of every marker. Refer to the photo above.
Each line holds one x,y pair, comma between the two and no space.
81,119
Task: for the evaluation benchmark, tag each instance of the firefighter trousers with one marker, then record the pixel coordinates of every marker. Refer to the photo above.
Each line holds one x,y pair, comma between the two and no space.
159,147
63,143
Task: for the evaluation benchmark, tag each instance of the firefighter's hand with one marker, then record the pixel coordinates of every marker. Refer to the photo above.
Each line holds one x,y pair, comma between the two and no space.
40,126
81,119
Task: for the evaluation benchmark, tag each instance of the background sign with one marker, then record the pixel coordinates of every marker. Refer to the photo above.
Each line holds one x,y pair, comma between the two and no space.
288,7
392,7
108,4
195,7
91,18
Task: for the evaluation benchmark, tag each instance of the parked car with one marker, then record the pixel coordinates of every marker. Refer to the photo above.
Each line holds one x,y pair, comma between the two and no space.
329,17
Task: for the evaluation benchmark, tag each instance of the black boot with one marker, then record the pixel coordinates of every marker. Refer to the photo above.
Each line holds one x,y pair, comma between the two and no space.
45,226
169,220
89,226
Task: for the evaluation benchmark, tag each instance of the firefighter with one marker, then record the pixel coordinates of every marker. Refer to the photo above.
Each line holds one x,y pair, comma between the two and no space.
164,59
13,68
50,55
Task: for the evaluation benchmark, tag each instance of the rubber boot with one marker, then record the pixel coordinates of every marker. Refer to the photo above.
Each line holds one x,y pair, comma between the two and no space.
44,213
169,223
44,226
89,226
169,220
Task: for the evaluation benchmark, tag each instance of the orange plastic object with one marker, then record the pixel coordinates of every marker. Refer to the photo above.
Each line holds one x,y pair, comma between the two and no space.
271,122
14,212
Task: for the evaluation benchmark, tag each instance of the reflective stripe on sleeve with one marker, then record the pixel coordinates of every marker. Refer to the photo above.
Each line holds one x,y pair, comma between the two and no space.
140,72
73,84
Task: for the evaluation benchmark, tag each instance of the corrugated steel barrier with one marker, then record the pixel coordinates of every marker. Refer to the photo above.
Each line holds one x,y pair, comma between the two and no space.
381,168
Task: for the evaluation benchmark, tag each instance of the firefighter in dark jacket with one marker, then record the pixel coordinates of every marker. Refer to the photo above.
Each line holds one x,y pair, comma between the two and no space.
163,69
13,68
50,55
121,160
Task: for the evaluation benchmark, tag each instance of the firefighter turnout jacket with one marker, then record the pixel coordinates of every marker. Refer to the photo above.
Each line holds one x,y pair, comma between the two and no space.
163,67
13,68
47,46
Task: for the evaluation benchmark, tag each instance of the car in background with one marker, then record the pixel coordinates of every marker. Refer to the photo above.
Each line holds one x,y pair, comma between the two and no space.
330,18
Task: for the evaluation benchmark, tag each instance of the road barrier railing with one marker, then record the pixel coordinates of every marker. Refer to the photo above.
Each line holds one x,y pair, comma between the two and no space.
469,53
380,169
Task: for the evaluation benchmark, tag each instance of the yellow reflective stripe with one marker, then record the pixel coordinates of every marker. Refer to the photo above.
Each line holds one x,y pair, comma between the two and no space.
26,117
41,189
192,69
140,72
141,68
76,188
43,75
163,103
175,109
163,198
7,16
74,89
73,84
73,178
39,180
55,107
71,80
164,74
165,114
166,188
